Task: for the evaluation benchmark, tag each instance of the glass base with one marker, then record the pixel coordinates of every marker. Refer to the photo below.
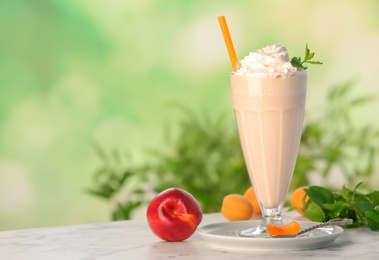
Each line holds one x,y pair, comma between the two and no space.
269,216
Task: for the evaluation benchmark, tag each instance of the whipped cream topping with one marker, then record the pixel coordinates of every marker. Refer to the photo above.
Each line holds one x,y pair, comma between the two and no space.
271,59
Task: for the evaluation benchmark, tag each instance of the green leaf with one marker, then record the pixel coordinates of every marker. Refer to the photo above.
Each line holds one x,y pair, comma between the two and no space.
314,62
346,193
310,56
372,219
320,195
374,196
334,209
314,212
337,207
363,206
306,51
296,62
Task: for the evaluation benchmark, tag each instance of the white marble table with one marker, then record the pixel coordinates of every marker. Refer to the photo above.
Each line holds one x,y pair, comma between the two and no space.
133,240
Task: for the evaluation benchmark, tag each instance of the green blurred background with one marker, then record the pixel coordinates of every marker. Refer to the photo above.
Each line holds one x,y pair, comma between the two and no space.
105,71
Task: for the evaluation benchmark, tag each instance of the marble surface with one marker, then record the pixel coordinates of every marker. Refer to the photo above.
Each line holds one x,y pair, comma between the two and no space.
134,240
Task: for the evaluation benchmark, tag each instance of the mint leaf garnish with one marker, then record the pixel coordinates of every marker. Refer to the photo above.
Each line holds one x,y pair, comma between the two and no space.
324,204
308,56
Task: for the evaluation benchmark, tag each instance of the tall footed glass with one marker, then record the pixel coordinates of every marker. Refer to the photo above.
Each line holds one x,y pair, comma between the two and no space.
269,111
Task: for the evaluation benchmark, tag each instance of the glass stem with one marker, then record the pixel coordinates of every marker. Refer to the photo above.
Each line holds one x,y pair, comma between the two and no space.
271,216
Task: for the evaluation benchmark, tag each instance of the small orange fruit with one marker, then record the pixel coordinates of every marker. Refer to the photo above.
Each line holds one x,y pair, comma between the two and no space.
291,228
298,198
236,207
250,195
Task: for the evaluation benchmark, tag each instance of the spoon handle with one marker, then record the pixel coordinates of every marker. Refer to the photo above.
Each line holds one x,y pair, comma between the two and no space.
332,222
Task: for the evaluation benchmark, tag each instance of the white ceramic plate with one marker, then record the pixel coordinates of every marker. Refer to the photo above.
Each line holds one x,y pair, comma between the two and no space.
225,236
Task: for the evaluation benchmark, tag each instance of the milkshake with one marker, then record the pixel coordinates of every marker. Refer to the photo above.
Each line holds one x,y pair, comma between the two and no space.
269,100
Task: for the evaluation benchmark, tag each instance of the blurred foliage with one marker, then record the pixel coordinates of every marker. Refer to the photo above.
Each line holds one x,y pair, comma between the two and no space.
205,158
332,143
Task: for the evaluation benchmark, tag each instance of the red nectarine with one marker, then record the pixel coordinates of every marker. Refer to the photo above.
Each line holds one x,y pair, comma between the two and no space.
174,214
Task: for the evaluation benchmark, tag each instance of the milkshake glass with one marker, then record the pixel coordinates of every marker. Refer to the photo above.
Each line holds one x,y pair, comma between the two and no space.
269,111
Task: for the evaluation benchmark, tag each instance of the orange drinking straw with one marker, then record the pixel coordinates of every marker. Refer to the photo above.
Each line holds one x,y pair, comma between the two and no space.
229,43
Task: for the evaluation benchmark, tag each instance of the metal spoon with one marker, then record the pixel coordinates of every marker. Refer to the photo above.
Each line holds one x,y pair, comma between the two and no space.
332,222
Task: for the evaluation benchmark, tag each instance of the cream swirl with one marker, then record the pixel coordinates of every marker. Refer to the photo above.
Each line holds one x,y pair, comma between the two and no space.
271,59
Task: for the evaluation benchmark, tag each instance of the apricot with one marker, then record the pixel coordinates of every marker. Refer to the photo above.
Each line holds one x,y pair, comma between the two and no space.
236,207
250,195
292,228
299,198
